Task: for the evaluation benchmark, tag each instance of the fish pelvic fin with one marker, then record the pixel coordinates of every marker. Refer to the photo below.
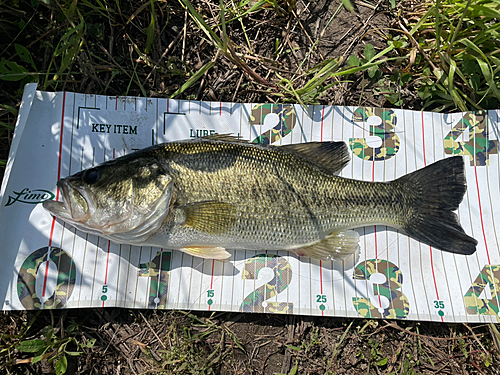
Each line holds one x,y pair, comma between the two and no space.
438,190
330,157
339,245
210,217
207,252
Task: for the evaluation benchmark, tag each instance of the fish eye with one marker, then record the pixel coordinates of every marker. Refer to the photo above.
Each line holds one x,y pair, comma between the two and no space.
91,176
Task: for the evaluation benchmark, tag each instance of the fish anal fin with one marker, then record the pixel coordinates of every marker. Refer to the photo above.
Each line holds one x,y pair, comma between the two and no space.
330,157
207,252
210,217
339,245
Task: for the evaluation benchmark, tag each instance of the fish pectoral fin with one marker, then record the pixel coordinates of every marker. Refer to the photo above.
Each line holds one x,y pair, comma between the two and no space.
207,252
339,245
330,157
210,217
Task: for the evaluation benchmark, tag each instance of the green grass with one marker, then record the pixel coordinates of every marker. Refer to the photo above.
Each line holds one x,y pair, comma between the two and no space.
458,61
449,52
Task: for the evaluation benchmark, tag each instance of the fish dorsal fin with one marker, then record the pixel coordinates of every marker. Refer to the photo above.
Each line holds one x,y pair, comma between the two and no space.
224,138
207,252
339,245
210,217
330,157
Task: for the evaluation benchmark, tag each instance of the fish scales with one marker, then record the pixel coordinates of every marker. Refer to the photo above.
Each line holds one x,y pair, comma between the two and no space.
207,195
281,201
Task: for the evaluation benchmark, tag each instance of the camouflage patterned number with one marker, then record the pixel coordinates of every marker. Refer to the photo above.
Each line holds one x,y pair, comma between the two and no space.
158,270
26,279
282,278
398,303
385,131
489,275
478,147
286,121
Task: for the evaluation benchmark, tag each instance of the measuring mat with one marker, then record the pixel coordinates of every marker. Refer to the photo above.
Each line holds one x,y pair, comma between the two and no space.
47,264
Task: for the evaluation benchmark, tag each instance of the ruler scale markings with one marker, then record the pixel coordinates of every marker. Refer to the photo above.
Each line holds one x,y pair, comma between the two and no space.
437,153
492,208
135,301
106,274
104,288
476,205
148,279
430,247
418,244
195,288
164,117
382,236
418,251
475,266
401,236
322,307
211,284
57,194
484,234
343,294
119,272
95,265
169,305
449,272
481,217
456,260
179,280
462,217
332,263
69,169
376,239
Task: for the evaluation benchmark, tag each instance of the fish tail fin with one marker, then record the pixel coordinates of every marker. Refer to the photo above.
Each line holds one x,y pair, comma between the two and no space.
438,190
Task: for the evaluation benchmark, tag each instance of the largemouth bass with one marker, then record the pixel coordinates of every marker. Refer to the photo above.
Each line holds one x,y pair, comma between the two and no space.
215,193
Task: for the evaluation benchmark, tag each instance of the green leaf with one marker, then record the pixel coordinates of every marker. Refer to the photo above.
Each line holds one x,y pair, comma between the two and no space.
31,346
10,108
406,77
5,125
12,71
90,343
296,348
36,359
70,39
353,61
25,55
74,354
369,52
372,71
61,365
49,334
382,362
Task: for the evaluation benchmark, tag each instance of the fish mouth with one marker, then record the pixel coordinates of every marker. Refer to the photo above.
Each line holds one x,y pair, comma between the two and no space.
74,206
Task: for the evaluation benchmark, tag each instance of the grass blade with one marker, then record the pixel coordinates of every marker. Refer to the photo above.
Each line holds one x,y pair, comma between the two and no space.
198,19
195,77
